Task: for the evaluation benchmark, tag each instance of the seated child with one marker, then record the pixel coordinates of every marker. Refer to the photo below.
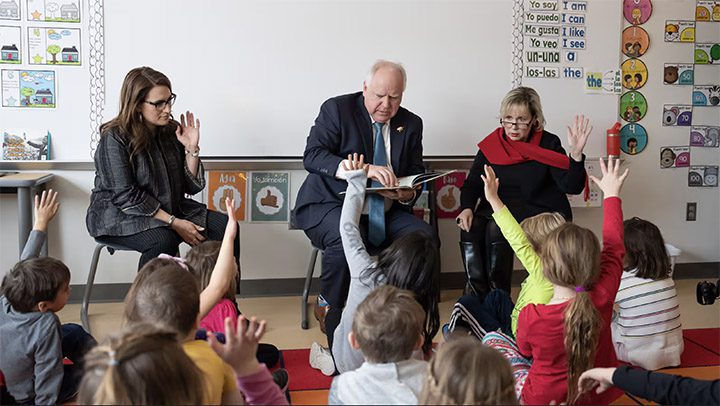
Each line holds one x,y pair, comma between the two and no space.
386,329
411,262
464,372
141,365
33,341
647,330
496,312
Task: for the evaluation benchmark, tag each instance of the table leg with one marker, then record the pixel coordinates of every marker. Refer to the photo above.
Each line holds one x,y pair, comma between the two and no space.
25,208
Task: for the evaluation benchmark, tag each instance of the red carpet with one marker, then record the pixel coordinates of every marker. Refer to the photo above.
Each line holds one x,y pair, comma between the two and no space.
302,375
706,337
696,355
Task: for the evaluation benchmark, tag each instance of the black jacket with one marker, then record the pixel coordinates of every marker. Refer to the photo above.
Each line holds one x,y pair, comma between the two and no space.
666,389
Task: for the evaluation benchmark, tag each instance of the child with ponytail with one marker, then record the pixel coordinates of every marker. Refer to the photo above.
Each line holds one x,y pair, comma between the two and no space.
585,282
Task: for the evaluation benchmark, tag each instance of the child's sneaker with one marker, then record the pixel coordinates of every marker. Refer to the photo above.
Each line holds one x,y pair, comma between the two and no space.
320,358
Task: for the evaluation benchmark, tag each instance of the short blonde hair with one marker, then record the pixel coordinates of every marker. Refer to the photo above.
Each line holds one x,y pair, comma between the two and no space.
388,324
538,227
466,372
526,97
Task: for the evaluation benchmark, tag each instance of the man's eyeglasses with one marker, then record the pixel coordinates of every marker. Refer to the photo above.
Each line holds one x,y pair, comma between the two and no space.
160,104
519,124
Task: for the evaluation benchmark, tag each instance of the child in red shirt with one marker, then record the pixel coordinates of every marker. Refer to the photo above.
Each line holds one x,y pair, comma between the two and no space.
572,332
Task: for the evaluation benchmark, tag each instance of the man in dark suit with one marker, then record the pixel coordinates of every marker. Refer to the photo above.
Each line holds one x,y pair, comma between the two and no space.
356,123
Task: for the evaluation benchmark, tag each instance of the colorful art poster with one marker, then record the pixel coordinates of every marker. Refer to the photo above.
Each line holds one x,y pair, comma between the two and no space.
634,74
270,196
706,95
637,12
677,115
28,88
227,184
633,106
674,157
447,194
65,11
10,45
707,54
704,136
9,9
679,31
635,41
679,74
26,145
707,10
633,139
54,46
703,176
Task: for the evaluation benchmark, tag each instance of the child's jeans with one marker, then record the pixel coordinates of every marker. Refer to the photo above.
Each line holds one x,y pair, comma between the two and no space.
76,342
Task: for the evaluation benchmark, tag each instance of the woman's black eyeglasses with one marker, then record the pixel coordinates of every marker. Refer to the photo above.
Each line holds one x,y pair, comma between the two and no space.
160,104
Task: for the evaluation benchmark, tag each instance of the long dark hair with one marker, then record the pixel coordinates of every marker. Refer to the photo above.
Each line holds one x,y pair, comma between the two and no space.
412,262
135,88
645,250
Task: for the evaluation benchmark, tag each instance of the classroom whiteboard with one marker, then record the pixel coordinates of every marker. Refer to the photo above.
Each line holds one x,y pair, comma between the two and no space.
257,71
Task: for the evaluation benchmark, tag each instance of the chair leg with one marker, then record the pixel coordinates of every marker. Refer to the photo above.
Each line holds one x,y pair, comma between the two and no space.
306,288
89,286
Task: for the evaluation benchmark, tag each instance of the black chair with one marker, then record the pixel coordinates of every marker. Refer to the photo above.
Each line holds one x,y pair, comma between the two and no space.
292,225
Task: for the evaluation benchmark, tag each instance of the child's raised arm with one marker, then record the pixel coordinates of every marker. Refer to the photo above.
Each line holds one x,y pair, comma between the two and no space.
46,207
224,269
357,256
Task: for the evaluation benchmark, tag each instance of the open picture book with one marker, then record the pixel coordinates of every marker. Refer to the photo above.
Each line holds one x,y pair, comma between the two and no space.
410,182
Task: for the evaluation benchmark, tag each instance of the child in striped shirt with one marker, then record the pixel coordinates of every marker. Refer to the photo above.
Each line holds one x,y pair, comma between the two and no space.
646,328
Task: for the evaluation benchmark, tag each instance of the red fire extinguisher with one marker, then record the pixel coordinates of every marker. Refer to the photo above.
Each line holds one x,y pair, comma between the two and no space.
612,138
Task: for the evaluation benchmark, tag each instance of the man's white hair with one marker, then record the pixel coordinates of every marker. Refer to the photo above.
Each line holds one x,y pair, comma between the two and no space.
381,63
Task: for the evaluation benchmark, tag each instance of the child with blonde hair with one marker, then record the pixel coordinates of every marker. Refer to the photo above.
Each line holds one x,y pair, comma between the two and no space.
585,282
462,372
646,330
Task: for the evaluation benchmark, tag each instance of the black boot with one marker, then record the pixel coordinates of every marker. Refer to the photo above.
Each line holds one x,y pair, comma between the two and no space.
500,265
477,283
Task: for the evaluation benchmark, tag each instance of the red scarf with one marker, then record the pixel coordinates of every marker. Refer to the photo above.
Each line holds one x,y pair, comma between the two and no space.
499,150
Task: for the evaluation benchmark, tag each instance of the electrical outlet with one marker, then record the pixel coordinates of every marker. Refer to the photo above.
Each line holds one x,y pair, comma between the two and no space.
691,211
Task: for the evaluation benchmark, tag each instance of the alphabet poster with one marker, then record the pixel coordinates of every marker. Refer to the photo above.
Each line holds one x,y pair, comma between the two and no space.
54,46
28,88
222,184
447,194
270,196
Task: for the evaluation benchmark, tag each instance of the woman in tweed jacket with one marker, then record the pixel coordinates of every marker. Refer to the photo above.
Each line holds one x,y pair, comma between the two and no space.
146,163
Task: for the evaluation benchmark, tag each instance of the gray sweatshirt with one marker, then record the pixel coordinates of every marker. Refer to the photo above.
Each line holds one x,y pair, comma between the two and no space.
31,346
395,383
358,259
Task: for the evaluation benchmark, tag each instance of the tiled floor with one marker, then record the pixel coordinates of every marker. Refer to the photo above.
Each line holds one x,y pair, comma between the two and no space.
283,316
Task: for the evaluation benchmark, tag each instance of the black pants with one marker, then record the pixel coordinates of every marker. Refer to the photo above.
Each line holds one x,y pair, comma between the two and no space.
335,276
164,240
483,232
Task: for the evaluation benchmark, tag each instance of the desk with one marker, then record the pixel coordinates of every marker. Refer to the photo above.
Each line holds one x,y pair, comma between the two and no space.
24,182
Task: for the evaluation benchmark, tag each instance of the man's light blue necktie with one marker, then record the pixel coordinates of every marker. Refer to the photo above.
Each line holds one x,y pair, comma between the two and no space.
376,212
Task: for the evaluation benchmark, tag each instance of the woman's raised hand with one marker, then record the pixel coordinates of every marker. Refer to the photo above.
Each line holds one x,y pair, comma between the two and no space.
577,135
188,132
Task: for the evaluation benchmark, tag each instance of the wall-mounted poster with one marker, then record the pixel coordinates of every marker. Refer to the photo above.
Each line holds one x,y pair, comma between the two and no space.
28,88
65,11
633,106
674,157
54,46
26,145
706,95
679,74
633,139
703,176
447,194
10,45
635,41
10,10
634,74
707,10
677,115
637,12
707,53
270,196
227,184
679,31
704,136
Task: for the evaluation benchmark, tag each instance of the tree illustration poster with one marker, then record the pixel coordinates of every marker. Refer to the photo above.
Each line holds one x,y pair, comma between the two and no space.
54,46
270,196
28,88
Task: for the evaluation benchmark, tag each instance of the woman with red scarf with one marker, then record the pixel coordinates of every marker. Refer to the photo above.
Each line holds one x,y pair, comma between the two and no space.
535,174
